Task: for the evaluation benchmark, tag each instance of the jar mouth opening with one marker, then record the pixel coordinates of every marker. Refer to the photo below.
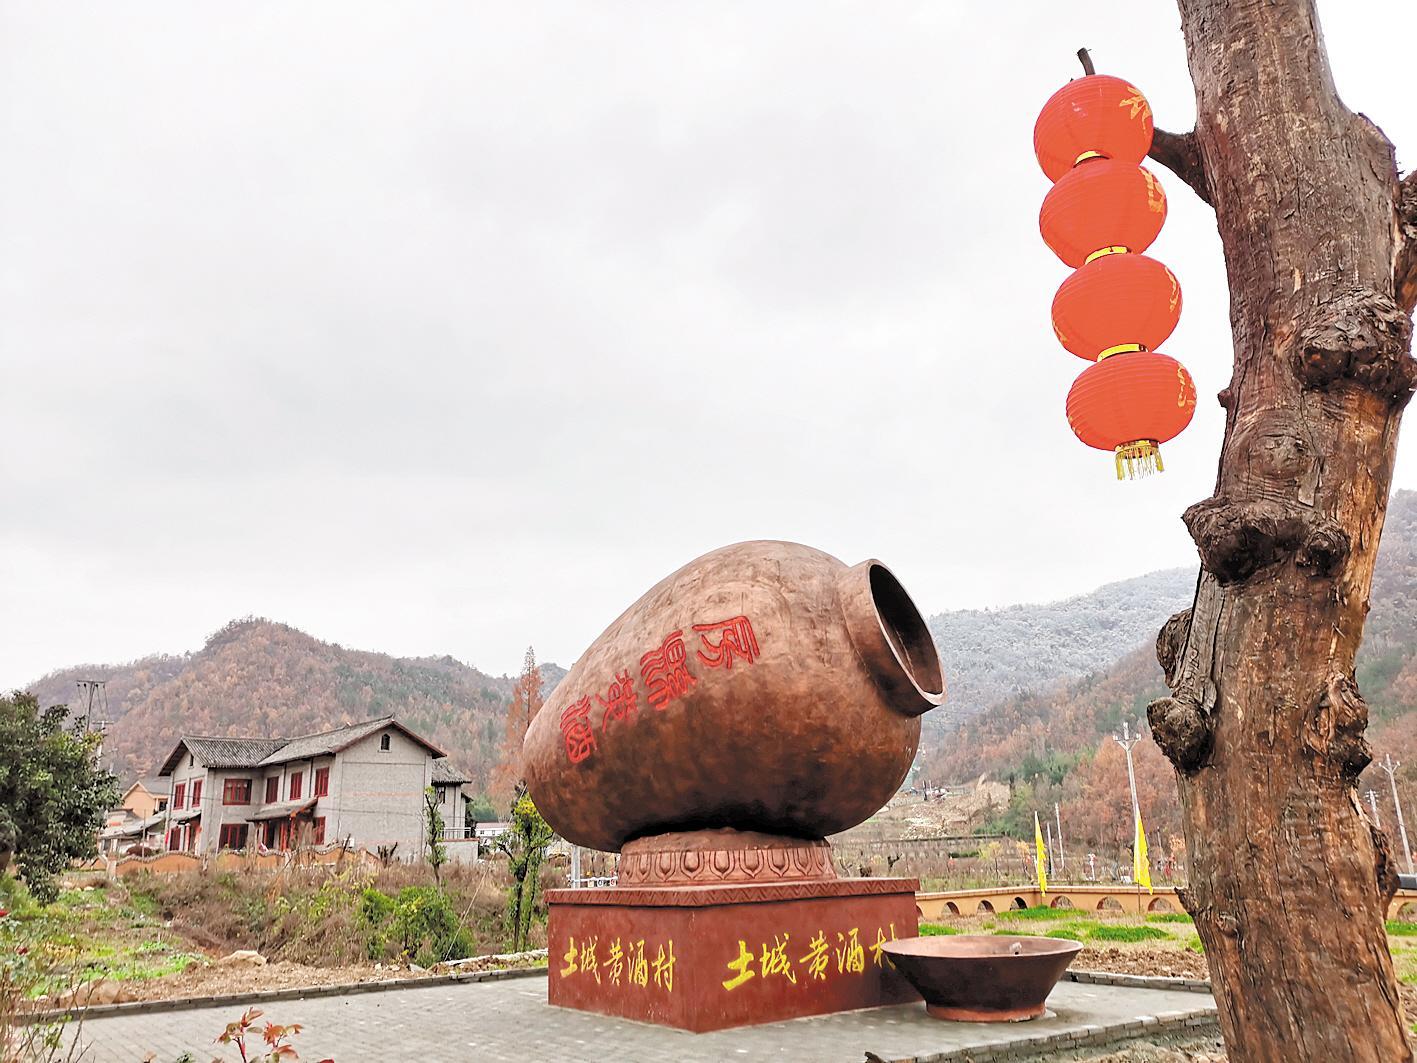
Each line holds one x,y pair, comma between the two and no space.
906,633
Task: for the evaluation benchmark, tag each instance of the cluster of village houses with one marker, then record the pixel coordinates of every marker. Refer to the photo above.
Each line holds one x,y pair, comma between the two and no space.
361,786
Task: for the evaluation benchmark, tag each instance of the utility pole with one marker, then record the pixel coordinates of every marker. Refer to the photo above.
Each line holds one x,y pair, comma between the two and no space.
1373,804
93,693
1048,836
1058,816
1391,769
1126,741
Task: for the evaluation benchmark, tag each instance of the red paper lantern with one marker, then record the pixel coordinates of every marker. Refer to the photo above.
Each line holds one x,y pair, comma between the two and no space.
1116,303
1093,116
1101,205
1130,404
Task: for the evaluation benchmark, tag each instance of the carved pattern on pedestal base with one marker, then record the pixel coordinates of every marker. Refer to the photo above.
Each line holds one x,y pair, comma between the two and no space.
791,859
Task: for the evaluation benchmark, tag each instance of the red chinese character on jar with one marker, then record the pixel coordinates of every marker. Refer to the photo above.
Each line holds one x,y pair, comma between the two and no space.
620,701
576,729
666,672
735,639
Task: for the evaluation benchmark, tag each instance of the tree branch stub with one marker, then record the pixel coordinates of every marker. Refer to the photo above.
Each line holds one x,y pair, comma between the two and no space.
1180,153
1405,275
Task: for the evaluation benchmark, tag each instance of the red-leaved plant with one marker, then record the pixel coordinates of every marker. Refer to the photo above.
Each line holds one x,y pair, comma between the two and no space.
277,1038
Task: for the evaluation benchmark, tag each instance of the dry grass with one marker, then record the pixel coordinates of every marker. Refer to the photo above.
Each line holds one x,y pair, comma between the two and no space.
311,915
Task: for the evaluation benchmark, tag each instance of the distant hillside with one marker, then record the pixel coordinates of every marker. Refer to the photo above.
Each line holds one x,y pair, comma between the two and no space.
260,678
1057,733
993,654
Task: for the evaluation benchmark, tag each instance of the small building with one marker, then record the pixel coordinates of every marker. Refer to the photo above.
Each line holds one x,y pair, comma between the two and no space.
448,781
137,821
362,784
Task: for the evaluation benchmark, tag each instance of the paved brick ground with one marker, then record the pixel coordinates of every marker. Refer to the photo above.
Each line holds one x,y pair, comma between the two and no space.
511,1020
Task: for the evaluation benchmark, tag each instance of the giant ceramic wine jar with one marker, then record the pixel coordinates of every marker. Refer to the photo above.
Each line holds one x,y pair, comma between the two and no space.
764,687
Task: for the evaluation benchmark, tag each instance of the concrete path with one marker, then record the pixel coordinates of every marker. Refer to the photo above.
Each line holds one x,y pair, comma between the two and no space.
510,1020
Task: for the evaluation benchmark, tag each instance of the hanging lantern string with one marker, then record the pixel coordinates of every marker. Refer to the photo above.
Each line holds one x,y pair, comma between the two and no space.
1104,211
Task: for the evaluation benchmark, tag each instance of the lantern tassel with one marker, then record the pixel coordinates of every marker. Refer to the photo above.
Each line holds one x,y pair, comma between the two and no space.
1138,459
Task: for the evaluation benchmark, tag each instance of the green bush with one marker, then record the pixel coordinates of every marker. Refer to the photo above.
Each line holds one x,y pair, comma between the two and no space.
376,911
1397,928
928,930
1127,933
1169,917
419,924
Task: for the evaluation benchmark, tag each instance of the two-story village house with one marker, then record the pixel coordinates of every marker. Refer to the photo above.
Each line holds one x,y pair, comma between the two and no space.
364,783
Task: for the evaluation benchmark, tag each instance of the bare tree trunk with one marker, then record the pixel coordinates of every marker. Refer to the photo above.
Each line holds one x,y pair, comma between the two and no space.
1265,726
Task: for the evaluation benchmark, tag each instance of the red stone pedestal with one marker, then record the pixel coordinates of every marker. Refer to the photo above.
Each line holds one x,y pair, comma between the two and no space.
707,957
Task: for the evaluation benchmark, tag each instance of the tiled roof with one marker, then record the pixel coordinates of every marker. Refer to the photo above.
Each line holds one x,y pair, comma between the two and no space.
222,752
445,773
262,752
317,745
280,810
137,826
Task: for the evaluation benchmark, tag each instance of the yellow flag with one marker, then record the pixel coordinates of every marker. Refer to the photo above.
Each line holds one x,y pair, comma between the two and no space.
1041,859
1141,866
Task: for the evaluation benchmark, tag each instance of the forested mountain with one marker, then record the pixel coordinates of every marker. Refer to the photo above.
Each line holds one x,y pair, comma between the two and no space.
1052,741
260,678
993,654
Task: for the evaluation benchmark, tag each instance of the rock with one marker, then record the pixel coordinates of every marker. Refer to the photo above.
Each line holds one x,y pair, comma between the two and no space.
99,991
415,967
242,958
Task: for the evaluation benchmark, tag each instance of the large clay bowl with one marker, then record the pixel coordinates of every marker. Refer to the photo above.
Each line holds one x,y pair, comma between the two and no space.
978,978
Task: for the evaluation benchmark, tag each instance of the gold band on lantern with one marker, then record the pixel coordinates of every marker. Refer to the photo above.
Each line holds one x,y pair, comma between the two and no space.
1088,155
1115,249
1122,348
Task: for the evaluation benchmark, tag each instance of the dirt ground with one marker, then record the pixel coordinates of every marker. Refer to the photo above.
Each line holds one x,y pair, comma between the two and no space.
207,979
1180,1049
1142,959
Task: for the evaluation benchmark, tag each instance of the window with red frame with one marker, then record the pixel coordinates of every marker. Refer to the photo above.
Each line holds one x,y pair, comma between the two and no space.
174,837
233,835
273,789
179,795
196,793
317,835
297,783
322,782
236,792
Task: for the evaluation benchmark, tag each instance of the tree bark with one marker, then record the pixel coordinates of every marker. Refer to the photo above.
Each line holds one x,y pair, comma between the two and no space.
1265,723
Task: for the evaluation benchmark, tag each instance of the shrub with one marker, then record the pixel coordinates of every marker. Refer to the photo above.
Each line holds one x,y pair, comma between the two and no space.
1169,917
376,911
427,927
1397,928
936,930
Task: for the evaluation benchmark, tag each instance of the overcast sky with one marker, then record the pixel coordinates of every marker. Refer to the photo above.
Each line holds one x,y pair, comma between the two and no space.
452,328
